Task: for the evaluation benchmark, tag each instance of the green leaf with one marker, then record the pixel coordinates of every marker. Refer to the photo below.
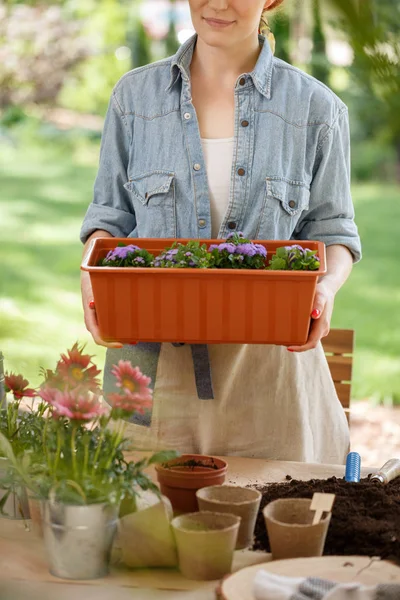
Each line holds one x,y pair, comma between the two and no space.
281,252
163,456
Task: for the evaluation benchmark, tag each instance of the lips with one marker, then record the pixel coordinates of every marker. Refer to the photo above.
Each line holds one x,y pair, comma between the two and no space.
218,21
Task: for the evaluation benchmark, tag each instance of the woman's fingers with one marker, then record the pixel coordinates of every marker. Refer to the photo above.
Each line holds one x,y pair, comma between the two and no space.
93,328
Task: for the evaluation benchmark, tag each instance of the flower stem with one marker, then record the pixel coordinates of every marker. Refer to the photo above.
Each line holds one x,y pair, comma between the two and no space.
58,452
73,453
85,459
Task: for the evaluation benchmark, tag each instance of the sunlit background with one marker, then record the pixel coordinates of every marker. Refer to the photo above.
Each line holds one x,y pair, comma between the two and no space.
58,64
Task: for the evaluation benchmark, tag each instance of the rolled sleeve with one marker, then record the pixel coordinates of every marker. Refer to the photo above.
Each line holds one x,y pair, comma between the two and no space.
111,208
330,217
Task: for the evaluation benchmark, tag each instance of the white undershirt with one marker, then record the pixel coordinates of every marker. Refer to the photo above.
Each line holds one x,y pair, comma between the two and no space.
218,155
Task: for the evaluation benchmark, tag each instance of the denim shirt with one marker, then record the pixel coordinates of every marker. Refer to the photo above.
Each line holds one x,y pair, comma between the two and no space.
290,173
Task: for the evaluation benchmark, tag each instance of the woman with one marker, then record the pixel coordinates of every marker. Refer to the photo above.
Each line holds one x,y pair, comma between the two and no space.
223,137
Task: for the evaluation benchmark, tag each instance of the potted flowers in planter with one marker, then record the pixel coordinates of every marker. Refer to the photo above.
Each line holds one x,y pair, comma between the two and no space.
189,290
81,473
20,428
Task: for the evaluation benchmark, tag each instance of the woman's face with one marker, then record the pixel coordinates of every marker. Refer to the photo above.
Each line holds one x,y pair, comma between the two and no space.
225,23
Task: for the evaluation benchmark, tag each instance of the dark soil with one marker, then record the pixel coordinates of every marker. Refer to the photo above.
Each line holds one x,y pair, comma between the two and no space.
192,464
365,517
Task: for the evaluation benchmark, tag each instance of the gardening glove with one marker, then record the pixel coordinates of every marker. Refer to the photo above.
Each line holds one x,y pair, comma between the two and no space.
268,586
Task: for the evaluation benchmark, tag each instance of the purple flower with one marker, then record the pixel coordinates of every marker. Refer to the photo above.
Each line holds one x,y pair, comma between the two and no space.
247,249
121,252
139,259
188,254
295,247
213,247
235,233
231,248
261,250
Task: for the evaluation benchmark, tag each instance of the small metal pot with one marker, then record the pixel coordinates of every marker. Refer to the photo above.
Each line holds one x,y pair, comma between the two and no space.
78,539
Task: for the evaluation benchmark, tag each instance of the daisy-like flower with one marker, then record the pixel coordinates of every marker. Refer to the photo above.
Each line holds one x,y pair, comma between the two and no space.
74,369
18,386
77,405
130,379
130,403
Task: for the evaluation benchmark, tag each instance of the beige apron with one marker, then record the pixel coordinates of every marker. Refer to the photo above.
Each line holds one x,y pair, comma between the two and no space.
268,403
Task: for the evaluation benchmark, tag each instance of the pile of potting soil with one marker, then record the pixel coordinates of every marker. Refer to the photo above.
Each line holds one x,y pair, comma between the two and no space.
365,516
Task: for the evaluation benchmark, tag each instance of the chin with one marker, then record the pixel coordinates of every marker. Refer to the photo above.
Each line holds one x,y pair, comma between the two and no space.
218,39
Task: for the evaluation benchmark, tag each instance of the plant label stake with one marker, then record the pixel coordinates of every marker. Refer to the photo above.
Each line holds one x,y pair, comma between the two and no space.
321,503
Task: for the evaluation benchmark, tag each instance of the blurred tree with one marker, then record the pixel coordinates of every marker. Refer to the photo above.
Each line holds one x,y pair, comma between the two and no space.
373,30
281,31
320,65
139,43
171,41
35,61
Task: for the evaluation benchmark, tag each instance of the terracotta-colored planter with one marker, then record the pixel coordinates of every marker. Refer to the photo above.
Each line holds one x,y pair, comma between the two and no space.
201,305
179,481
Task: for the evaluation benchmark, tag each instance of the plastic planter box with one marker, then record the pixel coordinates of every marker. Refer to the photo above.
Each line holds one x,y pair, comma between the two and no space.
201,305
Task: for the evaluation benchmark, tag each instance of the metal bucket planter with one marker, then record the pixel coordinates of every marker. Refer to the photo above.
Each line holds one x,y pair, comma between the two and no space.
78,539
16,503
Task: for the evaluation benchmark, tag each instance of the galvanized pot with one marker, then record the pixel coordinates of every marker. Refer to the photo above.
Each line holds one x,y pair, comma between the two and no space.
78,539
16,505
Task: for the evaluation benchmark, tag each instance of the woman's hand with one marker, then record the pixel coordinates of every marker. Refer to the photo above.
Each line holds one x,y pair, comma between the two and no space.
89,312
321,315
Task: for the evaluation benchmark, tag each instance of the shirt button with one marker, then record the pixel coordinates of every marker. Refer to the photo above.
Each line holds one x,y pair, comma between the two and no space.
232,225
292,204
245,123
241,172
202,223
196,167
242,80
187,116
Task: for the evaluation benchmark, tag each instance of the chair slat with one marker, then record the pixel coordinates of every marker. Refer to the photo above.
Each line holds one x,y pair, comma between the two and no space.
339,341
343,391
341,367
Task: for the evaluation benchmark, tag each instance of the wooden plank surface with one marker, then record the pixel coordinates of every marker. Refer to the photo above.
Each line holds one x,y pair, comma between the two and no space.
343,391
341,367
22,555
339,341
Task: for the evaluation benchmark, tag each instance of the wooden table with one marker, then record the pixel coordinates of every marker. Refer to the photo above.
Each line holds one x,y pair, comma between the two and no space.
23,567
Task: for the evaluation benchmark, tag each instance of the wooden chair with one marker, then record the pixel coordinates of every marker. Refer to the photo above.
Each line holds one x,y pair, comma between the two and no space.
339,348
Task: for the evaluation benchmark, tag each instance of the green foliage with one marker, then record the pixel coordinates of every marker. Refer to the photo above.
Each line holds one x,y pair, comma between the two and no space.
320,65
139,43
132,256
294,258
171,41
181,256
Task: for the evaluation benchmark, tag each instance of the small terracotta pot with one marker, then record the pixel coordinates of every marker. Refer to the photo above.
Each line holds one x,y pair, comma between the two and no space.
206,543
234,500
290,529
179,479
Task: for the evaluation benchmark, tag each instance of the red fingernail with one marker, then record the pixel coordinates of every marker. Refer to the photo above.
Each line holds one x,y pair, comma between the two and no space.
290,350
91,304
315,313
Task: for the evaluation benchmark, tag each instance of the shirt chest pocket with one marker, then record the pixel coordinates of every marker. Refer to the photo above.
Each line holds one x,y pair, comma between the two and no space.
284,203
153,197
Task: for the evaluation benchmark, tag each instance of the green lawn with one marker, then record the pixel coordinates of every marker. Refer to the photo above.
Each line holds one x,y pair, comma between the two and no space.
45,190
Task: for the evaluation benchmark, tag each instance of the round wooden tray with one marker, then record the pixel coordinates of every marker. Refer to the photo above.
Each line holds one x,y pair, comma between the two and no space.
343,569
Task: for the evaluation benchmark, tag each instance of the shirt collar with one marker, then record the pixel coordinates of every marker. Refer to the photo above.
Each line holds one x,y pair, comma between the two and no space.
261,74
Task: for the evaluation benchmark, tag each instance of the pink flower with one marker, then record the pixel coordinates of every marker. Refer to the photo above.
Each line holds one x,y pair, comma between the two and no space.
131,379
131,403
76,369
18,386
76,405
